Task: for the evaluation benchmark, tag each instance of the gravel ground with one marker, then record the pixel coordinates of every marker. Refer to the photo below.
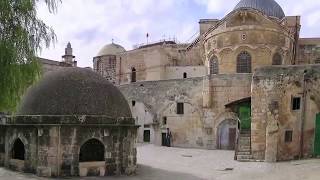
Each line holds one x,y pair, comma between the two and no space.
162,163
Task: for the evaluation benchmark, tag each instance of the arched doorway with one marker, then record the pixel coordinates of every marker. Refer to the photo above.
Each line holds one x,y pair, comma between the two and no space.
227,134
91,158
18,150
92,150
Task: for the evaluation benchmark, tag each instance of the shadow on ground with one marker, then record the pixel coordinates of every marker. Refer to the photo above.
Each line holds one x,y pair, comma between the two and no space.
148,173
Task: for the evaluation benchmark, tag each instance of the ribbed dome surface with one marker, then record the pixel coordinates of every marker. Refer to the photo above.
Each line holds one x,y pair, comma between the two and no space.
74,91
268,7
111,49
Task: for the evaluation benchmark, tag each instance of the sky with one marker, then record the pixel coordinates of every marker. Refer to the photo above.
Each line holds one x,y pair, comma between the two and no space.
90,24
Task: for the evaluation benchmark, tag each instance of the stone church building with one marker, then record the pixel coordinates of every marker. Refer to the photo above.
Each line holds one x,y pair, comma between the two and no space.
248,83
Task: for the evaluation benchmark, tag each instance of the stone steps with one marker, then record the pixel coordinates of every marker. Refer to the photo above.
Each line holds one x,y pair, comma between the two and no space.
244,147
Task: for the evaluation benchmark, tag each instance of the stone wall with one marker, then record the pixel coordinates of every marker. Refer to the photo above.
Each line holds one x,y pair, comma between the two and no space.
52,145
204,100
273,91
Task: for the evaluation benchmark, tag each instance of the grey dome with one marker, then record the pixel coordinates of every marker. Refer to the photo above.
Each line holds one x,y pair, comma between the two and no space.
268,7
74,91
111,49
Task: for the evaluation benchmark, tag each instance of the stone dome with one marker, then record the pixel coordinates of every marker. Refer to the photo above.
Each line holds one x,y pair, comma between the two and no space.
74,91
111,49
268,7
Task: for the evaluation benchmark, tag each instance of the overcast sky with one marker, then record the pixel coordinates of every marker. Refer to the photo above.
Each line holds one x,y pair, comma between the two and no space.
90,24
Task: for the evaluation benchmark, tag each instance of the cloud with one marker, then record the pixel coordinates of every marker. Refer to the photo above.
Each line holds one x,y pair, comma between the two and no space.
89,25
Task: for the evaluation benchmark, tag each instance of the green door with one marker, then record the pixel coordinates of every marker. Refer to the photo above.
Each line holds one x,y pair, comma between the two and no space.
245,116
317,136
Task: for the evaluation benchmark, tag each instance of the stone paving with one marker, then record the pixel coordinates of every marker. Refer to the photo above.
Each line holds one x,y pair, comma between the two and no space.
162,163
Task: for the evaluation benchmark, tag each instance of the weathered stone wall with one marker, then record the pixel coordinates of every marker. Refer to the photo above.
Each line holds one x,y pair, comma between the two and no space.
272,91
53,149
28,136
204,102
308,51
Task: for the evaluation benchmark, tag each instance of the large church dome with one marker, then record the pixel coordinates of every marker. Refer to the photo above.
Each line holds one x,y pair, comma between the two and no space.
268,7
74,91
111,49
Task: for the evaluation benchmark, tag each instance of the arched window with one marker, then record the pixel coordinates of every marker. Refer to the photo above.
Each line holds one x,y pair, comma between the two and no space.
244,62
184,75
133,75
18,150
92,150
277,59
214,65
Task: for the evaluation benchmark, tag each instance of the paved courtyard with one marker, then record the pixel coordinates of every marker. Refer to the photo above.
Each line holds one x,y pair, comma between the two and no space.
162,163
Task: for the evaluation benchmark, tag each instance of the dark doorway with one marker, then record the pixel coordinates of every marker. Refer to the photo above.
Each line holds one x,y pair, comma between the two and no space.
92,150
164,140
18,150
317,136
133,75
146,136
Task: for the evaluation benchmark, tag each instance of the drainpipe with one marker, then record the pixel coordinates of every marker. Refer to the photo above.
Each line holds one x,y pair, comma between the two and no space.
303,114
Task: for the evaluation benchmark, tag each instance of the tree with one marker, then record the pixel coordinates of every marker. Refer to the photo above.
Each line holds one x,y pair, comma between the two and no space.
22,36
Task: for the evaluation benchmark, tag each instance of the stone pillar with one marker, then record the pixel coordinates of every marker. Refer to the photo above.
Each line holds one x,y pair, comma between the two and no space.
206,92
272,133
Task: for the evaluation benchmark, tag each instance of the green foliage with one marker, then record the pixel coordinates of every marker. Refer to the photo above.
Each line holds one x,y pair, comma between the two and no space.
22,36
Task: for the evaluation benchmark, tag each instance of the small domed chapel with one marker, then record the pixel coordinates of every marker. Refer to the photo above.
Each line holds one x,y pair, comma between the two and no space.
71,123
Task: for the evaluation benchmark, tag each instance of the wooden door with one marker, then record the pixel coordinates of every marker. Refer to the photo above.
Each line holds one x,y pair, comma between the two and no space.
317,136
232,138
245,116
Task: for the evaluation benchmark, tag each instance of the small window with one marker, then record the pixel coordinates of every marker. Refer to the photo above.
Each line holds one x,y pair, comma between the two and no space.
146,126
133,103
180,109
133,75
277,59
288,136
184,75
296,101
164,120
317,61
214,65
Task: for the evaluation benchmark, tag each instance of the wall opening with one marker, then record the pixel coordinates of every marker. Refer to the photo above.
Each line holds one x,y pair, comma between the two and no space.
133,75
244,62
214,65
227,134
180,108
277,59
164,120
184,75
317,136
146,136
296,101
288,136
92,150
18,150
133,103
